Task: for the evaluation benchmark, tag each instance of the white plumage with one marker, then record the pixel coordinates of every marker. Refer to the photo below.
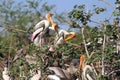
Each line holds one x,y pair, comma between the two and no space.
85,68
5,74
53,77
36,76
39,36
63,36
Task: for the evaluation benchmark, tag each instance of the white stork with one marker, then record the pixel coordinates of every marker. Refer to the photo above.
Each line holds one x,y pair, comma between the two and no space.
62,36
5,74
39,36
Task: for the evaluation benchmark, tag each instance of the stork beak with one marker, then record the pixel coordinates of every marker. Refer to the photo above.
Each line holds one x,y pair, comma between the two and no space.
70,37
51,20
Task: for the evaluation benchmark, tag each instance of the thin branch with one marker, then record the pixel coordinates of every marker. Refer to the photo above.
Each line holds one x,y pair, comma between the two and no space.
93,52
19,30
2,30
103,50
73,44
85,43
113,72
106,2
96,22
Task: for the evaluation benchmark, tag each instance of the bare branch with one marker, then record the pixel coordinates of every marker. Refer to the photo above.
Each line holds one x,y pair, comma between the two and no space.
19,30
113,72
106,2
85,43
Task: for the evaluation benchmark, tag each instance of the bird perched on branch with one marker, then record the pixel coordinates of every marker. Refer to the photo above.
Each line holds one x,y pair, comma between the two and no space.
40,37
84,68
62,36
44,23
41,27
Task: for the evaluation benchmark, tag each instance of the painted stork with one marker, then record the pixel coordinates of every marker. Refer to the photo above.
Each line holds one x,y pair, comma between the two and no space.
62,36
39,37
41,27
86,68
44,23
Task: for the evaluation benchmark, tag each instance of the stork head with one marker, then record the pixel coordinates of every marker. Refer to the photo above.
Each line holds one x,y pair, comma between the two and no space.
49,17
55,26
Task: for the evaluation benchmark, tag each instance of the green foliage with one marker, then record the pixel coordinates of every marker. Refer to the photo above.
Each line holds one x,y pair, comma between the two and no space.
18,21
98,10
102,77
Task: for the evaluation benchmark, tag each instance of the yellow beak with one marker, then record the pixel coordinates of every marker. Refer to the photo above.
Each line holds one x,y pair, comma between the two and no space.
51,20
70,37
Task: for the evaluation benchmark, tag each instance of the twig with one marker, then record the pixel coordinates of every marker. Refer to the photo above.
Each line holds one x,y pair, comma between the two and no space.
113,72
106,2
19,30
85,42
73,44
103,50
91,54
96,22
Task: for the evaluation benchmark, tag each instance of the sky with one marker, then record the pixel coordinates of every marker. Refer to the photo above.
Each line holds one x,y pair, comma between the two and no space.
67,6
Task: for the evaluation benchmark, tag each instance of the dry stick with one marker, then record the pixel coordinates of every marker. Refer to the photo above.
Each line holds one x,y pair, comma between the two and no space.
87,49
108,3
73,44
85,42
10,50
103,67
113,72
89,56
19,30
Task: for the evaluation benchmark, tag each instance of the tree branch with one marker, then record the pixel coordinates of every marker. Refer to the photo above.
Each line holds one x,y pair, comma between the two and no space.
85,42
19,30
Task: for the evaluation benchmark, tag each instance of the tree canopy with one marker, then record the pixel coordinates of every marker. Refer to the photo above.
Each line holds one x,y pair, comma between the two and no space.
100,44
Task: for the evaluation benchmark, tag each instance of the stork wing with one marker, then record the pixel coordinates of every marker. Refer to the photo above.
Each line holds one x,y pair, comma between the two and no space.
41,24
58,71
